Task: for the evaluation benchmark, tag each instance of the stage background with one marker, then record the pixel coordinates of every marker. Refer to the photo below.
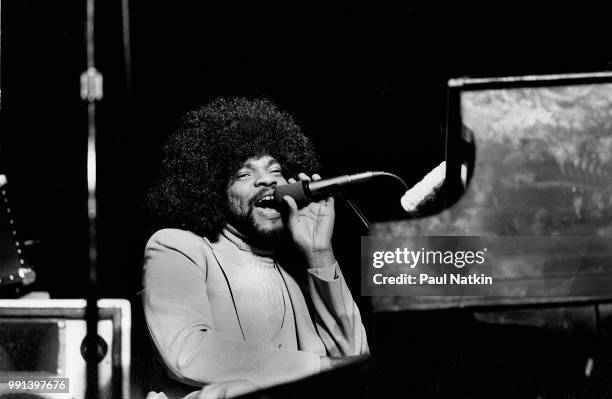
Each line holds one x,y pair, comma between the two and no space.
366,82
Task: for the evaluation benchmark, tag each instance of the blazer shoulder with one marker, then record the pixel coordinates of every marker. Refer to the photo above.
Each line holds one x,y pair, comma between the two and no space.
179,240
175,250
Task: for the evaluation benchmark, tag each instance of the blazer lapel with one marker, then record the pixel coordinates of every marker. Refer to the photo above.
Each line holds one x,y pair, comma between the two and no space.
308,339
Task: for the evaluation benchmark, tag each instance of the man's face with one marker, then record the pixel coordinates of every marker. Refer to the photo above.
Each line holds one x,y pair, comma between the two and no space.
253,210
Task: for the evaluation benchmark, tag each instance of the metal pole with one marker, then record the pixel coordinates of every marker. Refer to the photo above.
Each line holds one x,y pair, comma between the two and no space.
91,91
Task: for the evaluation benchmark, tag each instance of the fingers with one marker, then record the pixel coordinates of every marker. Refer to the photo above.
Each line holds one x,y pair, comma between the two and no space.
304,176
325,201
292,205
315,177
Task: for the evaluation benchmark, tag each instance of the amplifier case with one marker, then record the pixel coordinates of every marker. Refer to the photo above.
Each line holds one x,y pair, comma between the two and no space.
43,338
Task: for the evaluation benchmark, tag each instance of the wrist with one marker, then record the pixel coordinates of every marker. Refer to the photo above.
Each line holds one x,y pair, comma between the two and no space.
321,258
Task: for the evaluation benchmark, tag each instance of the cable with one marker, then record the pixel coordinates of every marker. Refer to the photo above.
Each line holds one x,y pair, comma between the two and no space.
394,176
353,206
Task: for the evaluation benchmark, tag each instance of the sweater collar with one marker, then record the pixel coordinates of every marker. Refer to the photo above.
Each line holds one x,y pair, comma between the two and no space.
243,243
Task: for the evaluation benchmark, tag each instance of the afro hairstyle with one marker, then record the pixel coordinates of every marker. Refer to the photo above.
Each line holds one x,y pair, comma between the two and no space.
209,146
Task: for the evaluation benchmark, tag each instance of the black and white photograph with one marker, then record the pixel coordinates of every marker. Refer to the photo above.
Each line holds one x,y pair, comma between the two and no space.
295,200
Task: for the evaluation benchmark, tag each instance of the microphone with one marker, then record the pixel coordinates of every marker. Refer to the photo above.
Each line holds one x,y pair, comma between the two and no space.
424,190
428,188
305,191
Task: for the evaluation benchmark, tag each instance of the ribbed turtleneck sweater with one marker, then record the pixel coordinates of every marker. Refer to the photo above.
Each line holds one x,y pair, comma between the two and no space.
271,318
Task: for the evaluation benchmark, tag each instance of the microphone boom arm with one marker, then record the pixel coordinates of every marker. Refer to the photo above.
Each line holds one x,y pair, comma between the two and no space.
304,191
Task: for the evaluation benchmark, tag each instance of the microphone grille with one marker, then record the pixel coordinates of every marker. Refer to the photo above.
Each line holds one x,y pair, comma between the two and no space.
294,190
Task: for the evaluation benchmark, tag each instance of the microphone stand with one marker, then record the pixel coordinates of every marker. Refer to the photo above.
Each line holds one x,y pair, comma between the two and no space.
353,206
91,91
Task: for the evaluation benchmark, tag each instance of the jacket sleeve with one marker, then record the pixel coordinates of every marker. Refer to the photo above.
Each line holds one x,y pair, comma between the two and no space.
337,316
180,322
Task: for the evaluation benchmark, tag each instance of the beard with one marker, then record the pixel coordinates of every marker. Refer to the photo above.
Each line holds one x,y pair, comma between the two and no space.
261,236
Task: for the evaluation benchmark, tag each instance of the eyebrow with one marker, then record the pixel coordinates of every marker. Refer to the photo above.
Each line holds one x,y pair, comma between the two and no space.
271,162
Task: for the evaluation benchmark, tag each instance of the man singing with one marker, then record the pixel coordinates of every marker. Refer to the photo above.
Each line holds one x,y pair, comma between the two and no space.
240,294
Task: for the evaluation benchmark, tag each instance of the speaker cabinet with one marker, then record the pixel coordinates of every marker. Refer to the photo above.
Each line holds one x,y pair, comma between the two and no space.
44,339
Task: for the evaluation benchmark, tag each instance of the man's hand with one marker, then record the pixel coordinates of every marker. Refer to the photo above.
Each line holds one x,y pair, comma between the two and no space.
328,363
312,226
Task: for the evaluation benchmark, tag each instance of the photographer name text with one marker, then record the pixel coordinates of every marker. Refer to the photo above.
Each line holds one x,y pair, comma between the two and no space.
426,279
436,260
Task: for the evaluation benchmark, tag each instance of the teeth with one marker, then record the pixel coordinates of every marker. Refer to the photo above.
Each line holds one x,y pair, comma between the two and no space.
266,198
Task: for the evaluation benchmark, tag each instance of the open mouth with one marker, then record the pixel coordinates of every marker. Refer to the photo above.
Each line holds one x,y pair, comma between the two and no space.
267,202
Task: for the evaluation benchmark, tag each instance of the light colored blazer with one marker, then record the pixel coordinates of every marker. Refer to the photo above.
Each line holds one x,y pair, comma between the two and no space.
193,315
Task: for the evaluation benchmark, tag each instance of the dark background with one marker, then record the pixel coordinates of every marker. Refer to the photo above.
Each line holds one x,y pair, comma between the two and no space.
366,82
